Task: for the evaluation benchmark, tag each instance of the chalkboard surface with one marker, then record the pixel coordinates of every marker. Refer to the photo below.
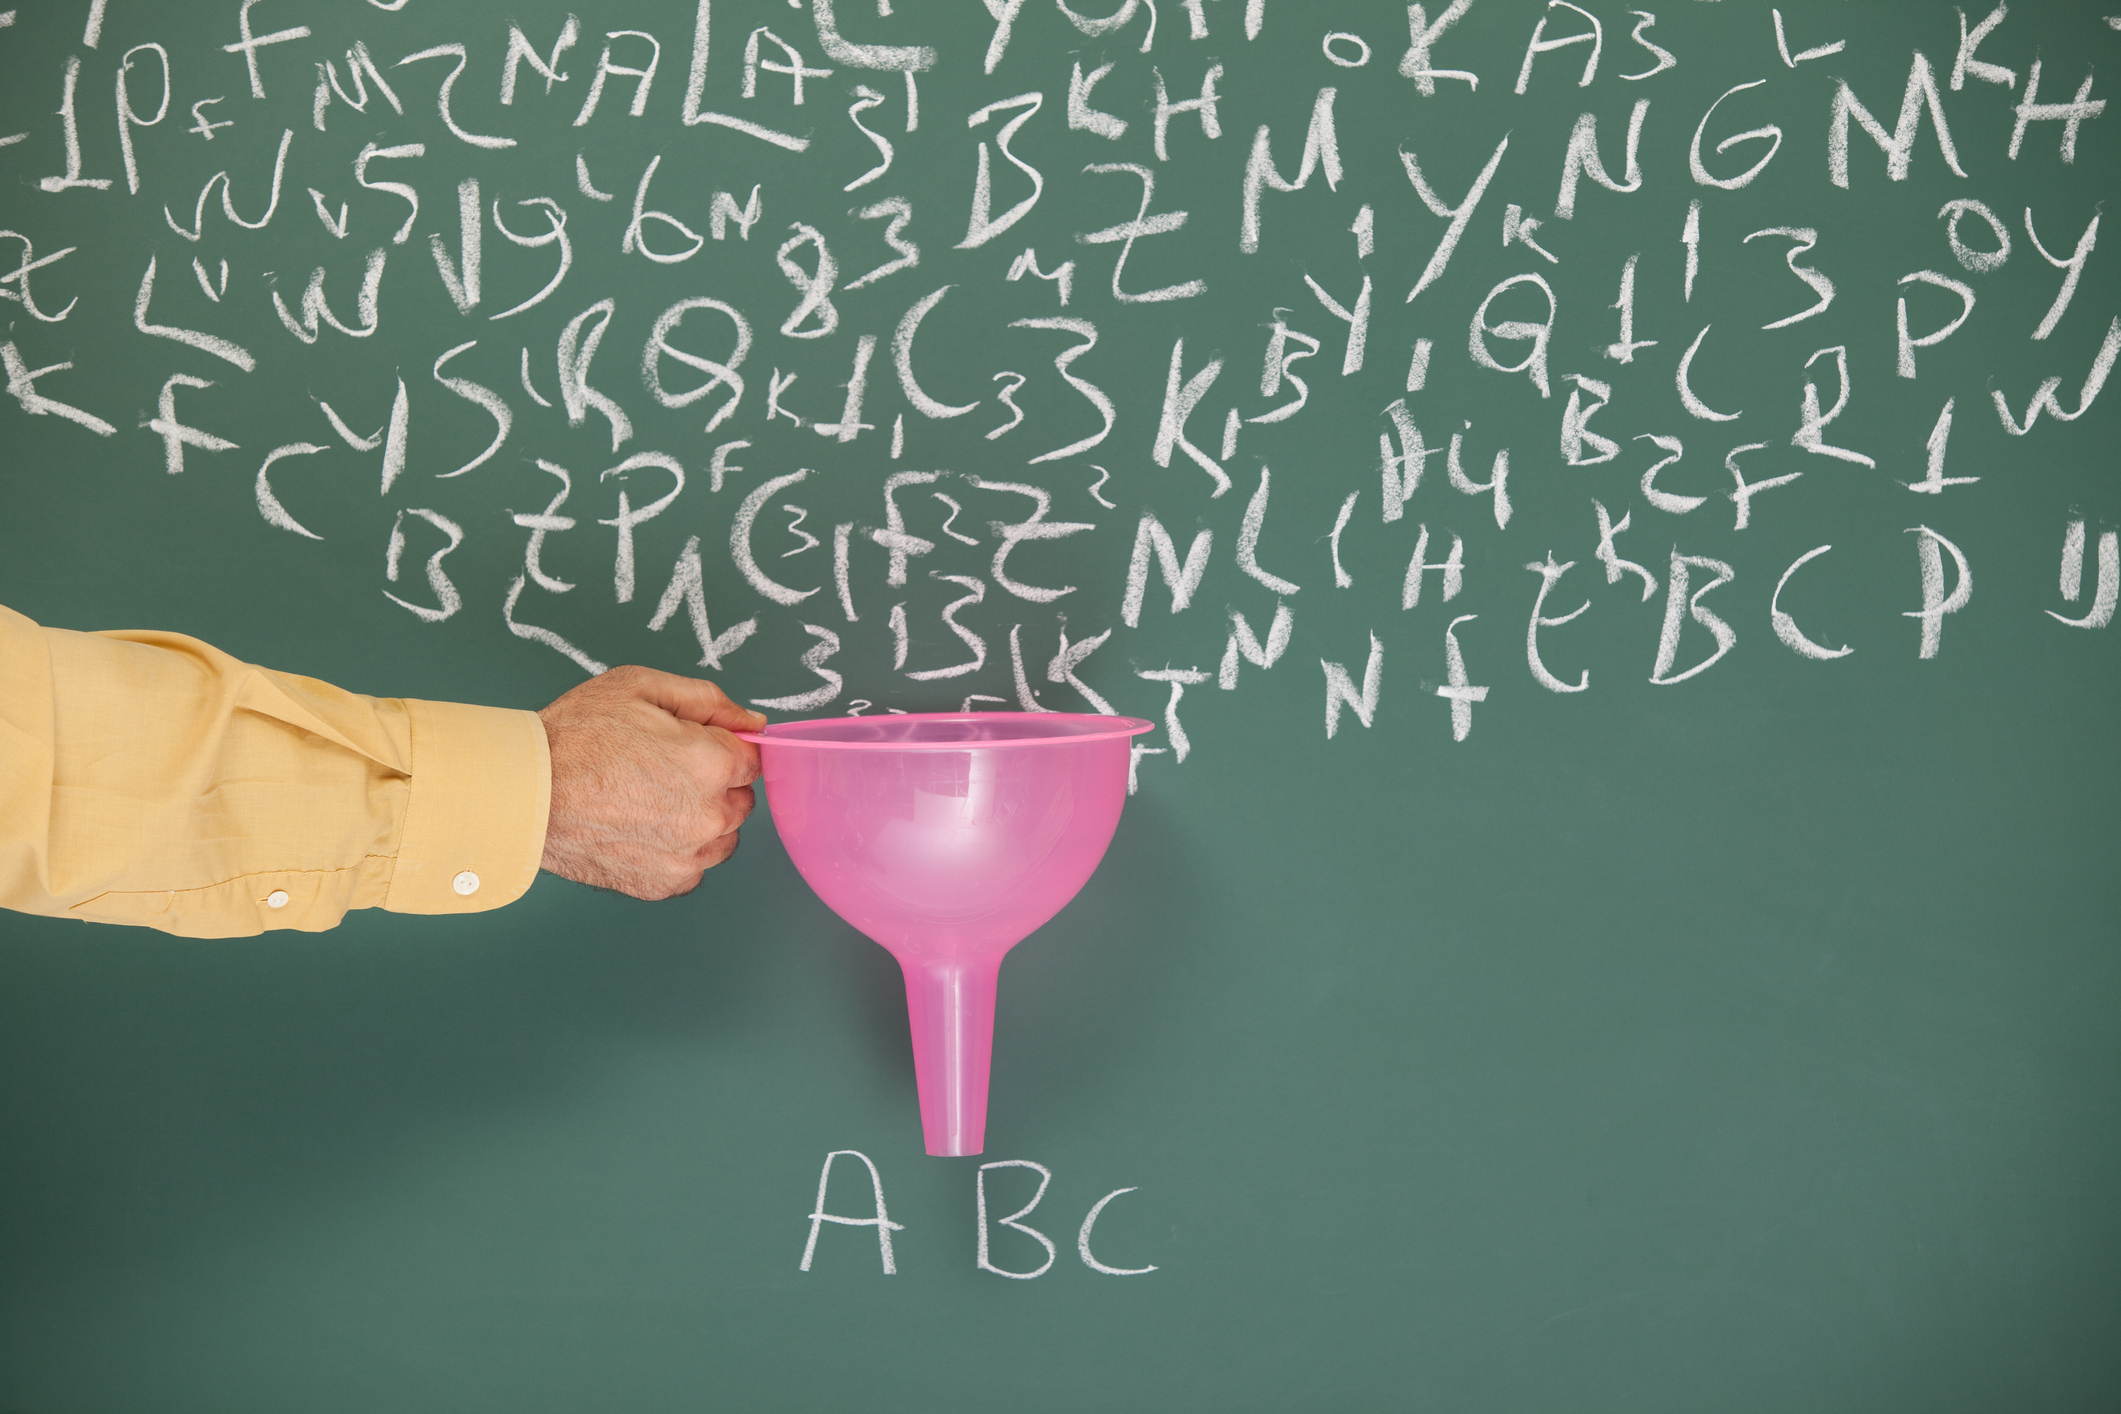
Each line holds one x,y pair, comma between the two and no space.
1614,514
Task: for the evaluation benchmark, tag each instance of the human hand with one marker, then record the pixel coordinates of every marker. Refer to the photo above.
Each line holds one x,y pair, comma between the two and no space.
648,783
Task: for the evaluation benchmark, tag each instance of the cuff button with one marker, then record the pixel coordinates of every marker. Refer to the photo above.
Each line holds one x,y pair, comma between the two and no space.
466,883
276,899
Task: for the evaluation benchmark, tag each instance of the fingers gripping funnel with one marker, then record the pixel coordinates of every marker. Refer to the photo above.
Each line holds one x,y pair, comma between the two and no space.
948,837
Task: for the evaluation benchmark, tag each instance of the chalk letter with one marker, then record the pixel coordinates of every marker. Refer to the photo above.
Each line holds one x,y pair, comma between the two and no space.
1081,115
1746,490
1402,473
1582,160
1181,581
1935,602
1701,173
1576,433
1940,436
1143,224
1810,432
2044,396
1609,553
740,541
815,288
519,51
983,226
906,58
129,119
1908,345
902,357
1458,689
1045,1176
1082,1241
2074,265
1244,643
1594,36
22,387
1068,659
462,282
249,45
1786,627
1458,216
175,435
1535,362
1033,527
446,595
1204,105
1248,541
1678,605
1899,145
209,343
1687,399
1623,349
1453,568
1665,500
481,396
1496,484
2071,115
2109,587
576,350
1548,572
1977,261
1180,398
628,517
970,639
1180,679
881,1222
456,51
1321,149
1340,689
1967,66
606,69
1416,63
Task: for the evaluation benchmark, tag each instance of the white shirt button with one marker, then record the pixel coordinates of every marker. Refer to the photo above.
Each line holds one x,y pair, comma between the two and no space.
276,899
466,883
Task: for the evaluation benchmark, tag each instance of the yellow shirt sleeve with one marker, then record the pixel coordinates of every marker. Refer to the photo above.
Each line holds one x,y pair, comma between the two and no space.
149,778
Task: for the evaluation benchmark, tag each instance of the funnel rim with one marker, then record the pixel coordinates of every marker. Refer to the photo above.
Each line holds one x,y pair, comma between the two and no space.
1120,727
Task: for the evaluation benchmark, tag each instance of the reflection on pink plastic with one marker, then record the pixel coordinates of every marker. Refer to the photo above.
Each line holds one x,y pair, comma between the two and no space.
948,837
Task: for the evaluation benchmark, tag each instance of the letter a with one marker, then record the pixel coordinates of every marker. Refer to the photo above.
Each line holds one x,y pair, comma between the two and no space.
881,1222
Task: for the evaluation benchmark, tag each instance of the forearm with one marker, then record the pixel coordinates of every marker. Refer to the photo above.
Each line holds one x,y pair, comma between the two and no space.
149,778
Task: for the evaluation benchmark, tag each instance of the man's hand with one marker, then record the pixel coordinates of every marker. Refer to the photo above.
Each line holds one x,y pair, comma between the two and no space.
648,784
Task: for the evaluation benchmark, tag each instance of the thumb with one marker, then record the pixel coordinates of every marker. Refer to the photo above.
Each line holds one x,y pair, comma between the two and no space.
697,700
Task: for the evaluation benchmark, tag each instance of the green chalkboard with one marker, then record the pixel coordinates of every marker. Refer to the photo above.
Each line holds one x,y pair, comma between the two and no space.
1666,963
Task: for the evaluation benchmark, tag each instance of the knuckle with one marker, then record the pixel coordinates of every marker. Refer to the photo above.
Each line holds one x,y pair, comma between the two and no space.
738,805
718,850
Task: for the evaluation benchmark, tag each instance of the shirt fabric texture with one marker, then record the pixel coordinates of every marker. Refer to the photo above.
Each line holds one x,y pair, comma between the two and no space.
148,778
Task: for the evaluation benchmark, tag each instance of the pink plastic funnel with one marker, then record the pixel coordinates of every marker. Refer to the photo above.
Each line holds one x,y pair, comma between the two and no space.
948,837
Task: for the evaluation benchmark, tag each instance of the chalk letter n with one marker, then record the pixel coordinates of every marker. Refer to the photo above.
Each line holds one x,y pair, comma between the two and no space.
1182,580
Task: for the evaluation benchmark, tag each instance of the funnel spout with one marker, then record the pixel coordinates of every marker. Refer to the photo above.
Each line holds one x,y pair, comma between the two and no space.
950,1005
